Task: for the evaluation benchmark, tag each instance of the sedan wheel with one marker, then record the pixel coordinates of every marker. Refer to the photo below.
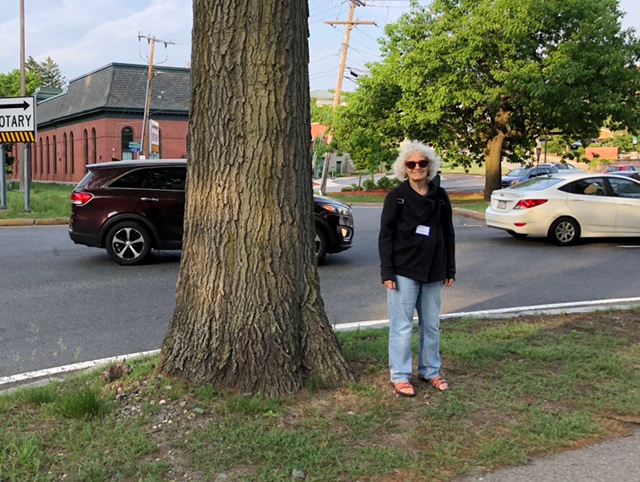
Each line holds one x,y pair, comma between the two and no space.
564,231
128,243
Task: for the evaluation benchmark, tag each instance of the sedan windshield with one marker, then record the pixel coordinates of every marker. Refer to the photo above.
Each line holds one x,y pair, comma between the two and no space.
537,183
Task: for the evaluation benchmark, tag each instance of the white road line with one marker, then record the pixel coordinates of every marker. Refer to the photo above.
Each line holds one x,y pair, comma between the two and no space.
619,303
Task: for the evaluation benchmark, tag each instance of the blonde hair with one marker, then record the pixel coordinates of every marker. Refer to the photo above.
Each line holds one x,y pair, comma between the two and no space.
412,147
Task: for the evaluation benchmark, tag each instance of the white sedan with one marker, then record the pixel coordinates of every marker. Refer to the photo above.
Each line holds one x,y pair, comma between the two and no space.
565,208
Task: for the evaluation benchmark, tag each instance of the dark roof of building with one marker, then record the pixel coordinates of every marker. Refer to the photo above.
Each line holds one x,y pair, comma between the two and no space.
119,88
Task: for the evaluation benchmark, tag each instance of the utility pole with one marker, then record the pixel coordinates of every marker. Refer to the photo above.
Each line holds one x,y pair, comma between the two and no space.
26,157
144,150
349,24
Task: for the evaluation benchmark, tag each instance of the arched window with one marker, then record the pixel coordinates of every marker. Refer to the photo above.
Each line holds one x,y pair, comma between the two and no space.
126,137
34,158
66,153
86,149
73,155
94,151
41,157
48,157
55,155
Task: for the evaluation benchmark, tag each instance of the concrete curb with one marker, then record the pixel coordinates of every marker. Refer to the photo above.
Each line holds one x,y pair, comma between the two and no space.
467,213
33,222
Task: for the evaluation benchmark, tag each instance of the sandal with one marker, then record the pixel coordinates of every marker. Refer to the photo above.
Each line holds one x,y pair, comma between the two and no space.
437,382
405,389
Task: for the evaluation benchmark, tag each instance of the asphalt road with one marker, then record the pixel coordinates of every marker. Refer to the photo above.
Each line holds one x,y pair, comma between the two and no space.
61,303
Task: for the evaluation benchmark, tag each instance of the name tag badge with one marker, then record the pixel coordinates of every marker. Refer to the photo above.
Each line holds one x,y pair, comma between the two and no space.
423,230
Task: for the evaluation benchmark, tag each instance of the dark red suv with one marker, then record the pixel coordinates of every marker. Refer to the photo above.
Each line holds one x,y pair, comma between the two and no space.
132,207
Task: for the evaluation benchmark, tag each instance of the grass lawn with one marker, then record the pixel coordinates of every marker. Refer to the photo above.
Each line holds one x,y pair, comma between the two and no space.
52,201
520,388
47,201
471,201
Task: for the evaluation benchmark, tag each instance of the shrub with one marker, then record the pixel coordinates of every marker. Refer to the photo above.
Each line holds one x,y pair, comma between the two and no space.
388,183
369,185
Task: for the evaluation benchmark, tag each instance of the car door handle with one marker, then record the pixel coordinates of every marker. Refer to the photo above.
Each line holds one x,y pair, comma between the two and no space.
149,199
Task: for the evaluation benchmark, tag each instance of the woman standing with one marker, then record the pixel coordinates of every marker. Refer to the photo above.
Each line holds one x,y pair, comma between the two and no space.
417,258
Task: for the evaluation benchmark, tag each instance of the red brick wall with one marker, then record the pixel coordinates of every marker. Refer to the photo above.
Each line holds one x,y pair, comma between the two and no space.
70,168
601,152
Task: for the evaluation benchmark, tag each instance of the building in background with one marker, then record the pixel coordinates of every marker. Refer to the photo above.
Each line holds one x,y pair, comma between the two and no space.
99,118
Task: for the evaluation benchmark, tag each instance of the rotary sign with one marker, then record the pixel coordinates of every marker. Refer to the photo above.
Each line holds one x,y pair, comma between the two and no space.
17,119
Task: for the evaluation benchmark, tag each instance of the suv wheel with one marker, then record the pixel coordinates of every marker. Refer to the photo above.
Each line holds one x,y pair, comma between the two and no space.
321,244
128,243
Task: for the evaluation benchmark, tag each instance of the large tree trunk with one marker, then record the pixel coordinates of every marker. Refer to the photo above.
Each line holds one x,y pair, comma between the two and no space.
493,165
493,155
249,314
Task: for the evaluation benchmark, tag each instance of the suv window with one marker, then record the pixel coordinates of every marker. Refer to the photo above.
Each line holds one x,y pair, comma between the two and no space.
131,180
166,178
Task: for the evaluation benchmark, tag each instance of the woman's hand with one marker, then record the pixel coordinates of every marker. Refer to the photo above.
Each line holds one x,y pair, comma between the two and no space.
448,282
390,284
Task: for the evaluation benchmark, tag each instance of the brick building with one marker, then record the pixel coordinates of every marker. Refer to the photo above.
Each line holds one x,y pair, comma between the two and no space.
101,113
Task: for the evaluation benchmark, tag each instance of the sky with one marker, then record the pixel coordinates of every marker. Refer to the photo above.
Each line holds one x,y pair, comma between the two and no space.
82,36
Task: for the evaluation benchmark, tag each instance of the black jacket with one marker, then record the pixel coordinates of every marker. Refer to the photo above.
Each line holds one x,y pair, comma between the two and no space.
416,238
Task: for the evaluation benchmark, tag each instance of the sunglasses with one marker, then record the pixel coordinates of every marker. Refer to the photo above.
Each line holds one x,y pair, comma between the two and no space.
411,165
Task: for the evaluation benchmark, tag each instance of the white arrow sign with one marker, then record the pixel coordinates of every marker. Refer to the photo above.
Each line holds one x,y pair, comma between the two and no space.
17,114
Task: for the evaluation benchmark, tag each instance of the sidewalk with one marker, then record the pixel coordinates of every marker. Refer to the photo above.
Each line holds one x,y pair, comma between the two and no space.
616,460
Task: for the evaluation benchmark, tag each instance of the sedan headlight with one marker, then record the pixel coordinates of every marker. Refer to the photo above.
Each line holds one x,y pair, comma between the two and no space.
338,209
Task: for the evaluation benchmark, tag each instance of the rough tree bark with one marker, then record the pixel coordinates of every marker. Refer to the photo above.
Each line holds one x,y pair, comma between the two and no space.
493,155
248,313
493,165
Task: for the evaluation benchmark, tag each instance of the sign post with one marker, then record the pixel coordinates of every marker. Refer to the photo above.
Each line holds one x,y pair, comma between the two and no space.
18,124
3,180
154,139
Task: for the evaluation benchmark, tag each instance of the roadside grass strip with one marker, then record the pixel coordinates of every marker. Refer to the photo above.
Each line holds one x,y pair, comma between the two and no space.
521,387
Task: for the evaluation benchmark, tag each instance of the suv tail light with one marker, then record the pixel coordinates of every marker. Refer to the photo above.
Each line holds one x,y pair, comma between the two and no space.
80,198
529,203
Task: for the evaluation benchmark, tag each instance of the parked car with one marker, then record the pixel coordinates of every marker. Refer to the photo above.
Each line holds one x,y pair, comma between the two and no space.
561,166
614,168
583,142
632,174
567,208
132,207
576,145
520,174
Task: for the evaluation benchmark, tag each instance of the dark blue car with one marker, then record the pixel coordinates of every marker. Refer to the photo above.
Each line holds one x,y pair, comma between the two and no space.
520,174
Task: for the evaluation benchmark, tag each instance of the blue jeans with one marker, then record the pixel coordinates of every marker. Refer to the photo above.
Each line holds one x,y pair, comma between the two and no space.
408,297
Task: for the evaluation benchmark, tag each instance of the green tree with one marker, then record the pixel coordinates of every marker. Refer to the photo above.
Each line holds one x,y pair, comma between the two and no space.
248,314
48,71
368,127
322,114
10,83
482,79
